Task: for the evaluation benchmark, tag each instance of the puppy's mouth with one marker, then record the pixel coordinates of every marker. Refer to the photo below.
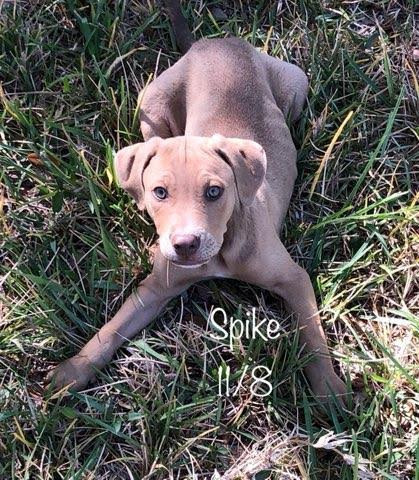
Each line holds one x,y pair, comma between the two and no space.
189,263
207,250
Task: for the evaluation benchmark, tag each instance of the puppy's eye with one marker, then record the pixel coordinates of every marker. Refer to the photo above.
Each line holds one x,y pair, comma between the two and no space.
160,193
213,193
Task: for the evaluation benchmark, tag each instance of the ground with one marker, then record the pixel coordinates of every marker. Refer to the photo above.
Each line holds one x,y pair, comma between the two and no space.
73,246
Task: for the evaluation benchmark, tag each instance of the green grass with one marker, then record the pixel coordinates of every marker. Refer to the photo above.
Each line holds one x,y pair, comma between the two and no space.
73,247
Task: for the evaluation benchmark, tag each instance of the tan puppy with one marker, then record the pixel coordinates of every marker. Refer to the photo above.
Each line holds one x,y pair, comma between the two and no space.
215,173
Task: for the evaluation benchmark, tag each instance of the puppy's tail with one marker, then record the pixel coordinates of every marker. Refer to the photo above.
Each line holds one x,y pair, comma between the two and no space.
184,38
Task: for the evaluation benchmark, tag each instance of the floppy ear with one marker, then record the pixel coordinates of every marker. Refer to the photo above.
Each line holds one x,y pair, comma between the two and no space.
129,165
247,159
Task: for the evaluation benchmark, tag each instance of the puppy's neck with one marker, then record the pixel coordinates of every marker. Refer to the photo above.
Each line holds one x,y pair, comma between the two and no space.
239,239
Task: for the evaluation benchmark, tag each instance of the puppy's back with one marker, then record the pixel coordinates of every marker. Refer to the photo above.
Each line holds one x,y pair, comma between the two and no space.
226,80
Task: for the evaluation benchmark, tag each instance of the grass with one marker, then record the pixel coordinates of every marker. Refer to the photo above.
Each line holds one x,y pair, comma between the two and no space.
73,247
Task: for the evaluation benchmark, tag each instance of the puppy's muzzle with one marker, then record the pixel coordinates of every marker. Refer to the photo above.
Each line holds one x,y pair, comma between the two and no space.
185,245
190,248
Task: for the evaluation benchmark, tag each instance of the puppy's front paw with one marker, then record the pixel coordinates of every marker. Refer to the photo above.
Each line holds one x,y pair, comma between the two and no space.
76,373
328,386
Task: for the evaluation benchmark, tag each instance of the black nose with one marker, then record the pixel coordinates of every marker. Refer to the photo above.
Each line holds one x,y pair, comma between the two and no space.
185,245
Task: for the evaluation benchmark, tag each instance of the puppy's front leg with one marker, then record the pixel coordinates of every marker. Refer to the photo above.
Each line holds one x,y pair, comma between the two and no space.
274,270
135,314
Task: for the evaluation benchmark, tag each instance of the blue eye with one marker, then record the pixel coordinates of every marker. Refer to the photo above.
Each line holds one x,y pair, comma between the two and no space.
160,193
213,193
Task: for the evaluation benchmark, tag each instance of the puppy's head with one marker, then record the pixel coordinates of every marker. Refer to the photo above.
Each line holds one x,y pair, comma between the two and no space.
189,186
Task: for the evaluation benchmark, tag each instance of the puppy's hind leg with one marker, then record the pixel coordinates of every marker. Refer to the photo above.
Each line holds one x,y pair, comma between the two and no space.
289,86
153,118
163,103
